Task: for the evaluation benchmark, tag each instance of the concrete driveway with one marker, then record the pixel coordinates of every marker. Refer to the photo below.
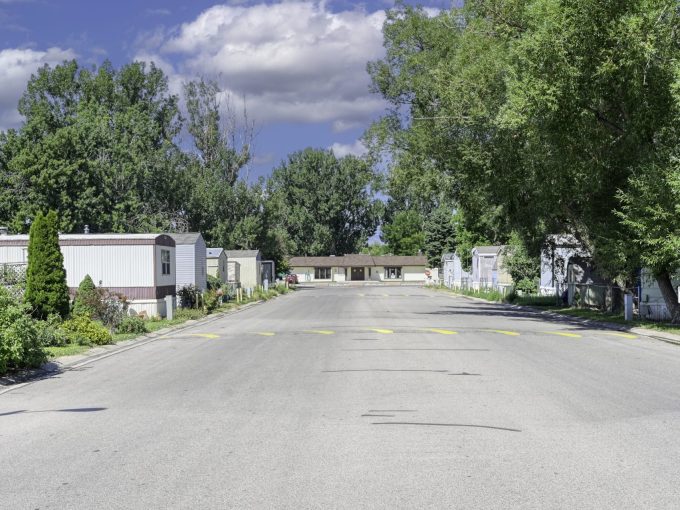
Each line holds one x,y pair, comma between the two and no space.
369,397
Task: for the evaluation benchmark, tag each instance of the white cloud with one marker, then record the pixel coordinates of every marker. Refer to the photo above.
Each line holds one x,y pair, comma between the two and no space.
16,67
355,149
293,61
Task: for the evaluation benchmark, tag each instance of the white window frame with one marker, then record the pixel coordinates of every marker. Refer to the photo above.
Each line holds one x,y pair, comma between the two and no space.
166,265
393,270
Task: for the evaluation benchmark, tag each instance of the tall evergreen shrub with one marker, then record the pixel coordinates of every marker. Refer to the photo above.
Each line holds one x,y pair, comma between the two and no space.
46,288
87,298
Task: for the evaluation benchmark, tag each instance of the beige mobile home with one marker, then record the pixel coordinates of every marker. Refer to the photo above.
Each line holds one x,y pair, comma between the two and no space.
216,260
139,266
247,267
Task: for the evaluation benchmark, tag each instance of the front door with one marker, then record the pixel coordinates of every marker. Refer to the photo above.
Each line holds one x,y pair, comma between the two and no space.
358,273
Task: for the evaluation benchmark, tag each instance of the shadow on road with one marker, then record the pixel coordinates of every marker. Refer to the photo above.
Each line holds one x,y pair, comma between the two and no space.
48,371
426,424
75,410
484,310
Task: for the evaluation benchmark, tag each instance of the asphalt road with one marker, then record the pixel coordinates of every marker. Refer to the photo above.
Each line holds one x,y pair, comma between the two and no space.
360,397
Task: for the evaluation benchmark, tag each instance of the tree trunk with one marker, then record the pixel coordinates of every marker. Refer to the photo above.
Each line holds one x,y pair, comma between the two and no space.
670,297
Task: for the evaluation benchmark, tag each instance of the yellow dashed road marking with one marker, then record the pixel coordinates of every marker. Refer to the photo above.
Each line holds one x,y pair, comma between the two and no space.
205,335
362,295
320,331
562,333
265,333
502,332
442,331
621,335
383,331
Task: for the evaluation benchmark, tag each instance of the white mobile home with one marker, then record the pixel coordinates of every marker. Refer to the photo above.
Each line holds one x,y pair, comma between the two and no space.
487,268
454,274
556,256
247,267
190,253
360,267
139,266
652,305
216,259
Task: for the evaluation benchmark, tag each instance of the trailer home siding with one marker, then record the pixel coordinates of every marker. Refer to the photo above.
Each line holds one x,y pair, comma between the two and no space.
191,260
139,266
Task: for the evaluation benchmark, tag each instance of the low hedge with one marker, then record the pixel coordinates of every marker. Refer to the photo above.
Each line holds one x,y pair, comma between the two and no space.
85,331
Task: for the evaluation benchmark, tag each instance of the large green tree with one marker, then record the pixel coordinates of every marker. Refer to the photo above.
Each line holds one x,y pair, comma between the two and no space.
404,235
440,234
46,288
539,110
96,147
326,205
650,210
221,204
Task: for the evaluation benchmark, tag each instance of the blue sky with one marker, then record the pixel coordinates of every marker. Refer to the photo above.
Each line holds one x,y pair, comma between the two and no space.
300,66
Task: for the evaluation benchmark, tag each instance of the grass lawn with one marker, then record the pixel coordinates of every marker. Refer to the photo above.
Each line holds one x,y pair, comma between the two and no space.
66,350
545,303
152,325
597,315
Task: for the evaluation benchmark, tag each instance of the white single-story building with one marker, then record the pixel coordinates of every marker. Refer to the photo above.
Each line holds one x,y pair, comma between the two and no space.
246,267
652,305
556,255
453,273
190,259
487,268
359,267
139,266
216,260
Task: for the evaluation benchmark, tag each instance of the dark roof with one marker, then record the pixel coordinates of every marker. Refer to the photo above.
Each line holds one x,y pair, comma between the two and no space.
186,238
358,260
94,239
314,261
400,260
213,253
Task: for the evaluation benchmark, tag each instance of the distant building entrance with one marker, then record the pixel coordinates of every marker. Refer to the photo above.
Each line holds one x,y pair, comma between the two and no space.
358,273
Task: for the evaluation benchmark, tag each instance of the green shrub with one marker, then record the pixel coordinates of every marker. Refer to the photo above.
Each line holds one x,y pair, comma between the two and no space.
46,288
98,303
536,300
50,332
211,300
112,308
214,283
132,325
85,331
188,296
20,345
87,298
189,314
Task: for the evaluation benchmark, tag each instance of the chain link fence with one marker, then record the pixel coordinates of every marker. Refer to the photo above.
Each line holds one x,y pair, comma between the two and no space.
13,278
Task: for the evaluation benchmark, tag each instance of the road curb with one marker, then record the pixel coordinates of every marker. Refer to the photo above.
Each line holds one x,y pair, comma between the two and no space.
56,366
655,335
